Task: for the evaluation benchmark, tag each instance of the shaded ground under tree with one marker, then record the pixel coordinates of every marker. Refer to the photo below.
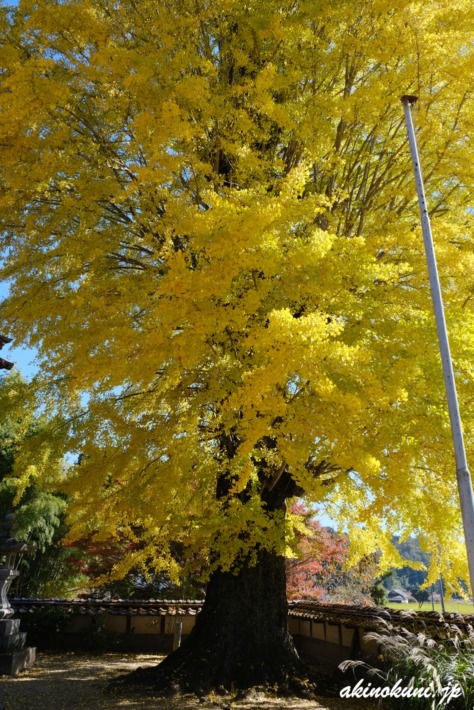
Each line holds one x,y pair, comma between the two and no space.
69,681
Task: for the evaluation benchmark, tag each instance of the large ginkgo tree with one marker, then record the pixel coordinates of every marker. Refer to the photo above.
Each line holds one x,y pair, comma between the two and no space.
209,227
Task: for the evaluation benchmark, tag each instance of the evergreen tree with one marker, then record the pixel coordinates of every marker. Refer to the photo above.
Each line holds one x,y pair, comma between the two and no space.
40,515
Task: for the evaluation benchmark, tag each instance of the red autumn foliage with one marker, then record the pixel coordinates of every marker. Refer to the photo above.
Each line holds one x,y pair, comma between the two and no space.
320,573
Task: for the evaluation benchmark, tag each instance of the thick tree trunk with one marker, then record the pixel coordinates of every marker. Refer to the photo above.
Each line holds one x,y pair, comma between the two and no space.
241,637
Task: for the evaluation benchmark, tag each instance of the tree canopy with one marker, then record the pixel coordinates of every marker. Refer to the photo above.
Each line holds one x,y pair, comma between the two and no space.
210,229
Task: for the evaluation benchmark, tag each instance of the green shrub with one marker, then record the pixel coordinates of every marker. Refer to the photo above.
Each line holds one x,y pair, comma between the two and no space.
46,620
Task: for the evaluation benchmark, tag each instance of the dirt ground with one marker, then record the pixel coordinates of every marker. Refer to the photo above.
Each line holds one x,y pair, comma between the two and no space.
68,681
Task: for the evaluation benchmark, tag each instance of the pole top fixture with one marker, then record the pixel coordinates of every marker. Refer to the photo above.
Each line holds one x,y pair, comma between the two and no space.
409,98
4,364
4,340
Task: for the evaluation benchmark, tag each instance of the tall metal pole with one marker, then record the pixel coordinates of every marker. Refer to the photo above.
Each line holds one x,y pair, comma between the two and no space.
441,593
462,472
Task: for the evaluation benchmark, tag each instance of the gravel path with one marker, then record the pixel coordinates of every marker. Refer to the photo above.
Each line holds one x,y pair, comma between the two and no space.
68,681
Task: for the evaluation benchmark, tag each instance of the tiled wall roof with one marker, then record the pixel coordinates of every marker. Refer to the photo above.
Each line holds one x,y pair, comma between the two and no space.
380,618
148,607
366,617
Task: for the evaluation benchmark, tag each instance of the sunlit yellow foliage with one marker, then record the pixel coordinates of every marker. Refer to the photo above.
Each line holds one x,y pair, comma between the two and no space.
209,225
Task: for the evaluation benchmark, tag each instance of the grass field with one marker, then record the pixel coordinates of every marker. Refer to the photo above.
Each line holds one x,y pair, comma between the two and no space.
459,607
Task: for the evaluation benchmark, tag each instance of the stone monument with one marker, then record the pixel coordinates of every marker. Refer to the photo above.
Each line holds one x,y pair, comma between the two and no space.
14,657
